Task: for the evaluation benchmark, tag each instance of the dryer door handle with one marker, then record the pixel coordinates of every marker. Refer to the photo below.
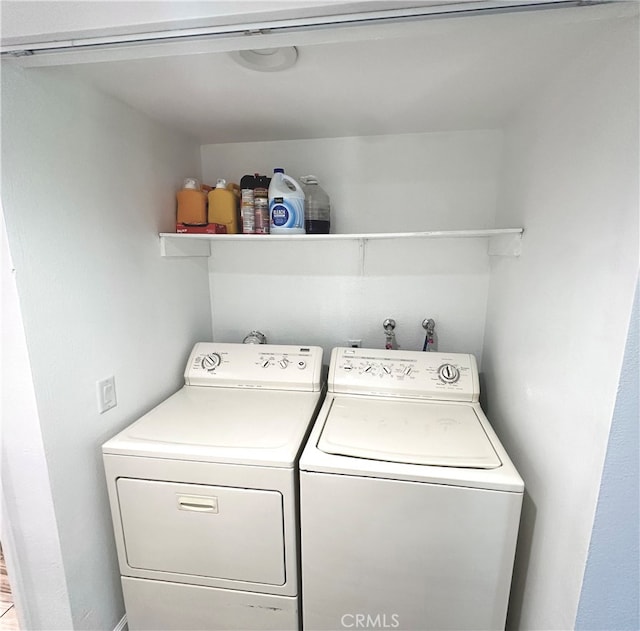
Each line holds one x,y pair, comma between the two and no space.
198,503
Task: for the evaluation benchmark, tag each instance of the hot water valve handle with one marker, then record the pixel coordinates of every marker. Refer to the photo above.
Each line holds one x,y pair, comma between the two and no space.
389,325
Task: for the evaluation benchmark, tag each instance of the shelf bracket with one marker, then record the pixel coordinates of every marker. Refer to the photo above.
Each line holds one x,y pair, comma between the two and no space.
505,245
174,247
362,255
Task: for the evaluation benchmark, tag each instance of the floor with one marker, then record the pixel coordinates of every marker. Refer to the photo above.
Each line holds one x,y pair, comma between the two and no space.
8,618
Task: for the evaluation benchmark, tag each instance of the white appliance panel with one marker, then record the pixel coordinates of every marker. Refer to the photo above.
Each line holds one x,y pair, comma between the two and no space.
153,605
433,556
407,374
407,431
261,366
200,530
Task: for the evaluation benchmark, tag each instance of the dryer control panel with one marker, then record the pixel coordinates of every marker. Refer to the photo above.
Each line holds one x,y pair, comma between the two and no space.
398,373
266,366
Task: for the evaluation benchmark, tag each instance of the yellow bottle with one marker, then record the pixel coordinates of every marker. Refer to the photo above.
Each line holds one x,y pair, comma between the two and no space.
192,204
223,206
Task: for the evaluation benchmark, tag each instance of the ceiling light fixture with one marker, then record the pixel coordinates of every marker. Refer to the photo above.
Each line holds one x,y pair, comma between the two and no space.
266,59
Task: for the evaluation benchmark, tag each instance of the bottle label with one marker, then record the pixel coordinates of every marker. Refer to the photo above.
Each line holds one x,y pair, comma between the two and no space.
287,213
261,215
279,215
247,213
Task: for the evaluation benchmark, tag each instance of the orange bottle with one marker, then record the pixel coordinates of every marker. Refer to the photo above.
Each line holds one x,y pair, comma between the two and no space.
192,204
223,205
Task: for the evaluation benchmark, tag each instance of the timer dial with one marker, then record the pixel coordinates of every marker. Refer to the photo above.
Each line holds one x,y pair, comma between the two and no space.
211,361
448,373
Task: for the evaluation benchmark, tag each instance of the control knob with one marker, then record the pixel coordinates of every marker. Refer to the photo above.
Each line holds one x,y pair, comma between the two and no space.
211,361
448,373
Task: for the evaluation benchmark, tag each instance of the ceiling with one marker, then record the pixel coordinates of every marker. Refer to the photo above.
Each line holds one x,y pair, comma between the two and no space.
432,75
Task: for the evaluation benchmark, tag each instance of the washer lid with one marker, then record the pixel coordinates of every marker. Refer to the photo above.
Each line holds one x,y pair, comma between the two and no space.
413,432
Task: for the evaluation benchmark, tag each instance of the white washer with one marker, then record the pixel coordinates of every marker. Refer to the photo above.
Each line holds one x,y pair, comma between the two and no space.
203,492
410,506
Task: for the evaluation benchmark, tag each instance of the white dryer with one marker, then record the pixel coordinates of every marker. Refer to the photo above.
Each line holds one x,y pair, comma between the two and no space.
203,492
410,506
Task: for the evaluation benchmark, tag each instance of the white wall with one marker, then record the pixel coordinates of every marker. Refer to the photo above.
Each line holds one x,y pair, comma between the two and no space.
87,184
327,293
558,315
29,532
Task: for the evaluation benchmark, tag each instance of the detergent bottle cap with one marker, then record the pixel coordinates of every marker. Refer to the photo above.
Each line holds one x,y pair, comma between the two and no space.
191,183
278,170
222,183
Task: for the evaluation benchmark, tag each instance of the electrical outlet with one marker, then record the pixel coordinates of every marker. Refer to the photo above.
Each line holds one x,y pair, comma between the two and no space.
354,343
106,392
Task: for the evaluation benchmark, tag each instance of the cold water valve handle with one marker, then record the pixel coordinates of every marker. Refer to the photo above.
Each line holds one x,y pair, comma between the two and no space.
389,325
429,326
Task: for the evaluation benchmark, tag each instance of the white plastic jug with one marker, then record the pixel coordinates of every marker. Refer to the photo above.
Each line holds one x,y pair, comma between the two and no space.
286,204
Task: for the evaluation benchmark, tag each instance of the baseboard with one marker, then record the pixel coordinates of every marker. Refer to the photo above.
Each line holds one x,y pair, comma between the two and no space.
122,625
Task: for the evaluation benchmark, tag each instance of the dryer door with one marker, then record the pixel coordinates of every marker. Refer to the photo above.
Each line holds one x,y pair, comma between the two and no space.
199,530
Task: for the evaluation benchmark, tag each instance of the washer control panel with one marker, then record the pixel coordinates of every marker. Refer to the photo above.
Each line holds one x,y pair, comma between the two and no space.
444,376
266,366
